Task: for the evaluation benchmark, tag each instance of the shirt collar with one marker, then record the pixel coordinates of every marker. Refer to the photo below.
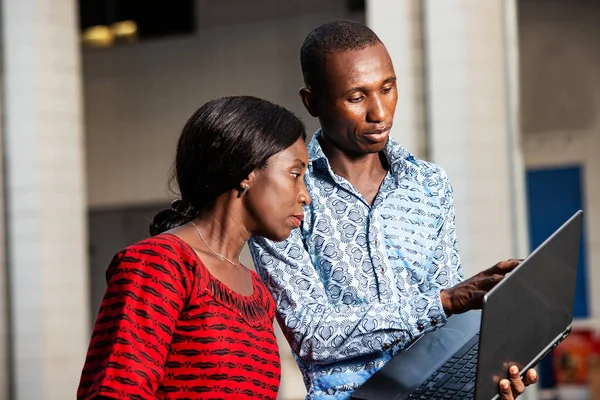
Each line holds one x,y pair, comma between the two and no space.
396,155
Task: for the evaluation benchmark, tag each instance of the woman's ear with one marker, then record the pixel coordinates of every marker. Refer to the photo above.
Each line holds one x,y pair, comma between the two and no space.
309,101
247,183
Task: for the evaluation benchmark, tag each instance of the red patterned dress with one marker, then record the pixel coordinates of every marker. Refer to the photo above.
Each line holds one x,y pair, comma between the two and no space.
167,329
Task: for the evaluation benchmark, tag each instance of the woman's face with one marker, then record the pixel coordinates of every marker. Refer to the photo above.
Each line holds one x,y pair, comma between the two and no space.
277,193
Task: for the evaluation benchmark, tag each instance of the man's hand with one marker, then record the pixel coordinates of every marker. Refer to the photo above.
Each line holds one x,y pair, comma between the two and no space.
468,295
513,387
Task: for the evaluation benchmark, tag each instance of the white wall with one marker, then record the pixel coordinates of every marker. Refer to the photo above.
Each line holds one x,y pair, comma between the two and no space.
560,81
4,326
398,25
470,134
45,206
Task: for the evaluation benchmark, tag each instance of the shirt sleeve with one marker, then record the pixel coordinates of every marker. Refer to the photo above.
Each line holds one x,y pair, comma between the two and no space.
446,270
131,338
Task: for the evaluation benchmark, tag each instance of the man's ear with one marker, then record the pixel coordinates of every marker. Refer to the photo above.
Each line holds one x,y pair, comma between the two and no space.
309,101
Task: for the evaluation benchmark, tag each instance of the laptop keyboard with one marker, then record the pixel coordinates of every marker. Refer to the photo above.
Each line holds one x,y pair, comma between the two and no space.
455,379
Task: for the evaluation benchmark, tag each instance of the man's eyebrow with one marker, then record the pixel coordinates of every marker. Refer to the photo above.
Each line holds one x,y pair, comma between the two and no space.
391,79
356,89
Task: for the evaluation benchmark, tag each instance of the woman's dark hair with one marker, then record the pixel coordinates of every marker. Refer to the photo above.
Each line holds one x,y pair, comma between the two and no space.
220,145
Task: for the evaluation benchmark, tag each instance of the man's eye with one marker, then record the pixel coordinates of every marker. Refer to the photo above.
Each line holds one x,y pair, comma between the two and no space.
356,99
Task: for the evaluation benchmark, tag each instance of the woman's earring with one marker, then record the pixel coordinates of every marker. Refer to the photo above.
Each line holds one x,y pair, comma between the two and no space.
244,191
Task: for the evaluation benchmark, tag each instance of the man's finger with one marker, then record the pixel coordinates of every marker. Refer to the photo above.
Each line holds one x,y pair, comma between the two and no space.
516,383
505,392
476,299
531,377
488,283
504,267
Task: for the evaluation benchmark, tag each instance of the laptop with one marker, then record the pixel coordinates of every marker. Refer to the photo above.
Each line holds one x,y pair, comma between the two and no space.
523,318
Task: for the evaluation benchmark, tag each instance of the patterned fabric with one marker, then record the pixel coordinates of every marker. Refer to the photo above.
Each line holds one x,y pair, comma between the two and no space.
357,283
167,329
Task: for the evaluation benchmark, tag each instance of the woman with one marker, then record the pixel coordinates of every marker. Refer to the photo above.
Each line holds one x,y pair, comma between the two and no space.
181,317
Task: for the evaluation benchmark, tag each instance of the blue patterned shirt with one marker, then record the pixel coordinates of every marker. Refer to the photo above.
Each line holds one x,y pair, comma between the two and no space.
358,282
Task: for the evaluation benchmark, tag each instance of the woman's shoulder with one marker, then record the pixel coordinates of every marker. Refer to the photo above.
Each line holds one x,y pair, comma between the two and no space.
164,253
165,245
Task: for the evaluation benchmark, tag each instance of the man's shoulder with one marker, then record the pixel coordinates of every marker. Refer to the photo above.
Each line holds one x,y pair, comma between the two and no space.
428,169
416,170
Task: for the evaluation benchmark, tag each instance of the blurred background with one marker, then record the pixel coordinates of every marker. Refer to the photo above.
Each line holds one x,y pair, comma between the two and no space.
503,94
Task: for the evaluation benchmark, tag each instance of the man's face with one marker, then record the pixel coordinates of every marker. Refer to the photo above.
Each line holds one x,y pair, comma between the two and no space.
357,103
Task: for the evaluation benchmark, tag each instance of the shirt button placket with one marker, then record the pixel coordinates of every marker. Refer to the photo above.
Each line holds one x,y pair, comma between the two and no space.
375,233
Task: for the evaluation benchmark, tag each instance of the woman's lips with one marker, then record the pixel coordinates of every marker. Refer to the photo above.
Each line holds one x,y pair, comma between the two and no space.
297,219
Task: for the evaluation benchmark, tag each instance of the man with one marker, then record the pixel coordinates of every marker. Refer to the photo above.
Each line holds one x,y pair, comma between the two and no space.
375,263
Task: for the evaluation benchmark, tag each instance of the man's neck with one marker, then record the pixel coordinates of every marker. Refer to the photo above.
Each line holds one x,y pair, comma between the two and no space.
365,171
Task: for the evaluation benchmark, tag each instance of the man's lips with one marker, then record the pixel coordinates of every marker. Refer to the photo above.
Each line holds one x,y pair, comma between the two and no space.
377,131
377,135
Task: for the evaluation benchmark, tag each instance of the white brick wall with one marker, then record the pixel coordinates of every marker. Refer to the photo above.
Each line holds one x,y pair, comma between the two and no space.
4,326
45,197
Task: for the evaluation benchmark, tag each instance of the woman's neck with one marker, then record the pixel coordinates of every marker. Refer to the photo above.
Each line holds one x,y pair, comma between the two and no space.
222,229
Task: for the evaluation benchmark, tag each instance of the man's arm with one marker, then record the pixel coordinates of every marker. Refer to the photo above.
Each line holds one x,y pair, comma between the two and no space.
446,269
321,332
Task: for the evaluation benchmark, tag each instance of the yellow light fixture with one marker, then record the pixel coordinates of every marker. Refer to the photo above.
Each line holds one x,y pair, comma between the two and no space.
125,30
98,36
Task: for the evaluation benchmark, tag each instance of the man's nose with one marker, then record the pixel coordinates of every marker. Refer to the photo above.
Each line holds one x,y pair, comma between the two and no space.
377,111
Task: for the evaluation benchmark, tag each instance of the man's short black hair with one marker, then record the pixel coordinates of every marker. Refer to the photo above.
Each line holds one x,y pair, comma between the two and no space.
331,37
